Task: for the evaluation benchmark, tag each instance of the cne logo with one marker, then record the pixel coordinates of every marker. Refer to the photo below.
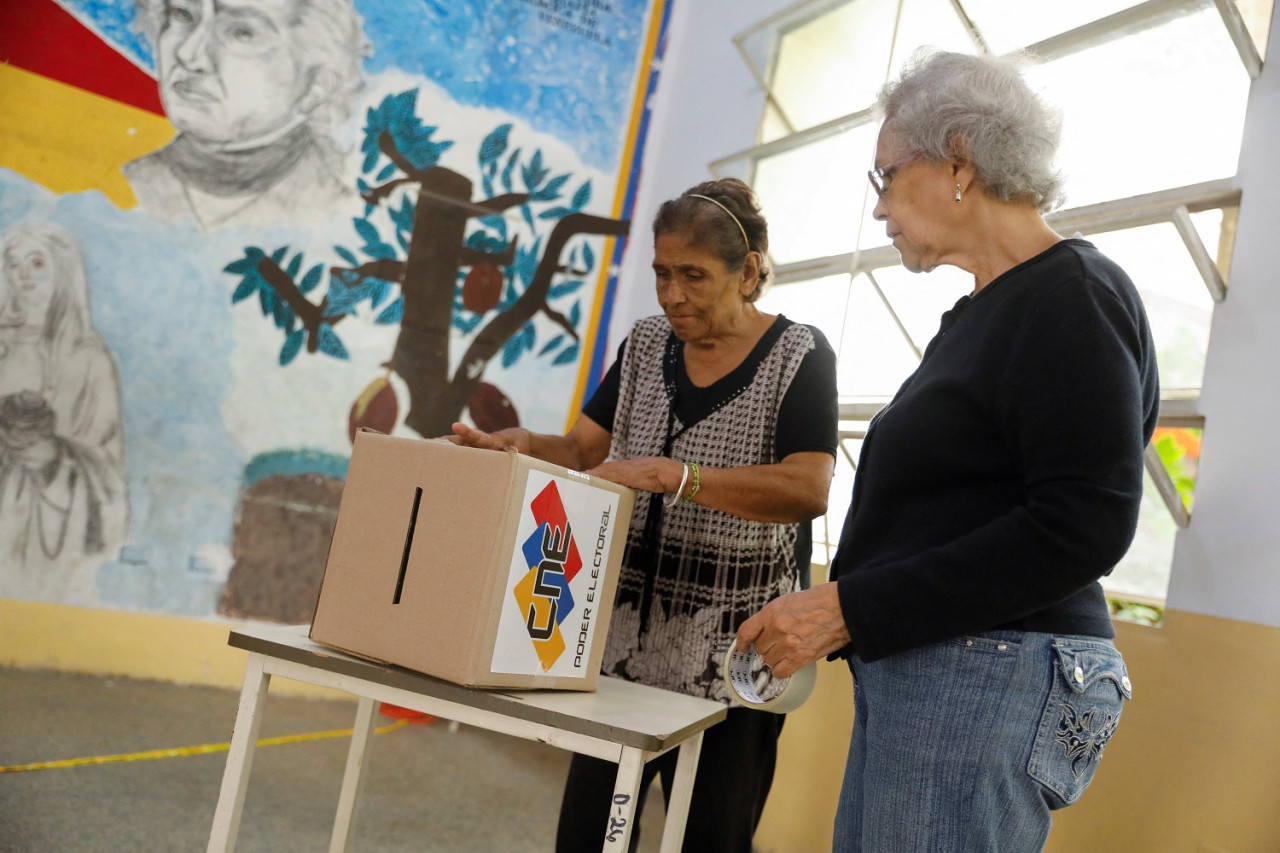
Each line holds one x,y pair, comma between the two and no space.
543,593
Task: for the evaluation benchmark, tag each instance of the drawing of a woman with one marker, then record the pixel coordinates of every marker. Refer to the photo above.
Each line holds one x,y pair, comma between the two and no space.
63,504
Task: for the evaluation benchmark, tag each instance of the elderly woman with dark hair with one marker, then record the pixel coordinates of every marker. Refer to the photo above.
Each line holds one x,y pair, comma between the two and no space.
992,493
726,416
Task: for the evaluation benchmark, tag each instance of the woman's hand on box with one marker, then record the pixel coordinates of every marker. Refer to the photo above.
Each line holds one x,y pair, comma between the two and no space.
647,474
515,437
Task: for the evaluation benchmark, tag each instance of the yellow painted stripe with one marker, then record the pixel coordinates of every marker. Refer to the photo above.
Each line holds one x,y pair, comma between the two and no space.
619,195
69,140
201,749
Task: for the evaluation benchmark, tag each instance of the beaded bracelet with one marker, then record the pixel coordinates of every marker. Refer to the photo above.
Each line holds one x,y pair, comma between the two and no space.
697,484
683,479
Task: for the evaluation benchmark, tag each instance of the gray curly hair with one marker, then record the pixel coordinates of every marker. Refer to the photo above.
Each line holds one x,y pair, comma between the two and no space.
979,108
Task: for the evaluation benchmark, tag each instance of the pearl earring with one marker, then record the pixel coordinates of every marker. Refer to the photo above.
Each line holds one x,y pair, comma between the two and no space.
957,193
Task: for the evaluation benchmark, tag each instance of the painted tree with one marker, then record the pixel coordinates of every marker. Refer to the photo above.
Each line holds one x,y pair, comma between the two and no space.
432,258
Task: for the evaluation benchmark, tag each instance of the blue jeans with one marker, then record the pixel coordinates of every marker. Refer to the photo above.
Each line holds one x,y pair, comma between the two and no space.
968,745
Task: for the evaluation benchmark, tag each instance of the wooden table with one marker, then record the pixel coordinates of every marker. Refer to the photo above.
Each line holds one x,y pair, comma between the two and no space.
621,722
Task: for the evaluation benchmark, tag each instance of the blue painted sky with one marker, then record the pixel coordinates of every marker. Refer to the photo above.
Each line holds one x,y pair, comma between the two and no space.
505,54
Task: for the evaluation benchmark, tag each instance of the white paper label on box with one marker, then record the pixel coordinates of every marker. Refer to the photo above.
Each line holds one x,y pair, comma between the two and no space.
558,568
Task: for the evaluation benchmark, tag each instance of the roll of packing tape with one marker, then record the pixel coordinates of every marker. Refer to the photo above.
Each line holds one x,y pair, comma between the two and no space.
751,683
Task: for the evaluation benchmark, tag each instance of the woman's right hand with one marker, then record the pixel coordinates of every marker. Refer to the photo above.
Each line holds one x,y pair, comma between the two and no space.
467,436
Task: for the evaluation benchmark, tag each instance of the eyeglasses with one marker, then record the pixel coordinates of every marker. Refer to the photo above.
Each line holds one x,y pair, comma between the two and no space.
882,177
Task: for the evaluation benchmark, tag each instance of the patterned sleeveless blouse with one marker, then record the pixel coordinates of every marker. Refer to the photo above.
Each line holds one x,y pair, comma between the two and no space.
691,574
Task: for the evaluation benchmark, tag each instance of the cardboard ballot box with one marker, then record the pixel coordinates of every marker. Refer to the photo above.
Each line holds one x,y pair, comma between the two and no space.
484,568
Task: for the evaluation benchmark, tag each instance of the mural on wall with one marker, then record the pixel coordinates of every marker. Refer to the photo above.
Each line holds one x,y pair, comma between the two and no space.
295,218
255,92
447,274
63,505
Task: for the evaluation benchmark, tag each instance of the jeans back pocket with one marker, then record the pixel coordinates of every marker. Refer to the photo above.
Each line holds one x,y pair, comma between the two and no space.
1089,688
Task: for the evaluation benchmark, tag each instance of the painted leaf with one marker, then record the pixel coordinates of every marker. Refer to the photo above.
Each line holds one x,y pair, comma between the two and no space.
245,289
403,215
379,290
292,344
392,314
347,256
494,144
551,190
567,356
366,230
311,279
282,314
466,323
330,343
551,344
506,172
512,351
564,288
240,266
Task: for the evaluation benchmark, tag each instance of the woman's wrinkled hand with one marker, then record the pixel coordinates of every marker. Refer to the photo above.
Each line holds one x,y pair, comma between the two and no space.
796,629
646,474
466,436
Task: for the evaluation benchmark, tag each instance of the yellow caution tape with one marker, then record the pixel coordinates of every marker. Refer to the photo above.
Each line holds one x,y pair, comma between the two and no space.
201,749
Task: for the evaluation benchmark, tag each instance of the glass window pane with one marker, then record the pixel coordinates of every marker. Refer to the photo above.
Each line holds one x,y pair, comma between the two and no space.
1144,571
1178,304
1179,450
873,356
1257,18
816,198
1008,25
919,299
817,74
826,530
820,303
1208,225
1175,116
818,77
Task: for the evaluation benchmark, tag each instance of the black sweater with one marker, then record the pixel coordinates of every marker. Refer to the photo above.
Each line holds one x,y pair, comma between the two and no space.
1004,478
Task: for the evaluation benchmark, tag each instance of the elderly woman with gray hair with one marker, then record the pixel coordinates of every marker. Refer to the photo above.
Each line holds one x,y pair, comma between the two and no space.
992,493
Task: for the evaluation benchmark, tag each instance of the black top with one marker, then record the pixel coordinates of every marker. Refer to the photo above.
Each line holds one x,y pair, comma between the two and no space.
807,420
1004,478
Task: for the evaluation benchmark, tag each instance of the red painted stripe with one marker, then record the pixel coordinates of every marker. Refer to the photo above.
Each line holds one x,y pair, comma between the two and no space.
42,37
